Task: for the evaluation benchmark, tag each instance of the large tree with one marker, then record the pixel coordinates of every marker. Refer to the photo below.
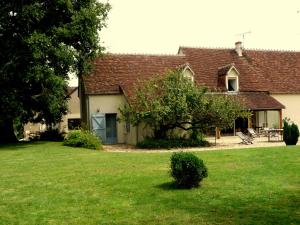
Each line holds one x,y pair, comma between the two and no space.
173,101
41,42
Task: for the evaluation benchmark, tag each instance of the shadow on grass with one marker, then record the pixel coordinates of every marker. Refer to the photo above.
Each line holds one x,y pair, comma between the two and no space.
20,145
171,186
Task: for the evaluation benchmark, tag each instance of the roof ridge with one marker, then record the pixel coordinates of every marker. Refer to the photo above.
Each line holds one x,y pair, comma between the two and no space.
271,50
143,54
231,48
206,47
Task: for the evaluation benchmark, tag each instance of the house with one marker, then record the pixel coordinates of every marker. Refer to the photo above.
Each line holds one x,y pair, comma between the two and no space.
69,121
267,81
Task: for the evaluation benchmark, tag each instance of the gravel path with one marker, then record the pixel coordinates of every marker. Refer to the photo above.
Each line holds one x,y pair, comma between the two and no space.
227,142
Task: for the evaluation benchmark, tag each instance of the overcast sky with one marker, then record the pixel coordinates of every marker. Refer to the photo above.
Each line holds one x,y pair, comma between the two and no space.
161,26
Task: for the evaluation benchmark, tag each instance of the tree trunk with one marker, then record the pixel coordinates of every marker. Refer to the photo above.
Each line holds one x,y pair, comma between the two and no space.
7,134
218,132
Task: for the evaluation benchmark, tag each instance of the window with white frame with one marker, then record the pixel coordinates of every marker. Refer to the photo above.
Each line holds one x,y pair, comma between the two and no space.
231,78
188,73
232,84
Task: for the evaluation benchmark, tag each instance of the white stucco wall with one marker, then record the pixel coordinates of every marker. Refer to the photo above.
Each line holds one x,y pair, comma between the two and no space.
111,104
74,105
292,106
73,111
108,104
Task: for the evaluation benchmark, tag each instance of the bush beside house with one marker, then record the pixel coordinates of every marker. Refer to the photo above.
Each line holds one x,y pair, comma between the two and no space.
168,143
290,132
84,139
51,135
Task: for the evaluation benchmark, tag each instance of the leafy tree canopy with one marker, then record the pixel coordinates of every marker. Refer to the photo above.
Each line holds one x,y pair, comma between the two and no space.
41,42
172,101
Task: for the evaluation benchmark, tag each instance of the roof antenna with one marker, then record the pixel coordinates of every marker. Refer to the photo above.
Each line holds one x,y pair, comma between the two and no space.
242,35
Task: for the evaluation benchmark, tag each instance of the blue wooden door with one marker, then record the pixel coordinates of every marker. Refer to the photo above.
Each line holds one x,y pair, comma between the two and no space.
99,126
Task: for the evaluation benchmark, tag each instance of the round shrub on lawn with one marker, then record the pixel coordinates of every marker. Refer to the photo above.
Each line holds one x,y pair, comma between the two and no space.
187,169
84,139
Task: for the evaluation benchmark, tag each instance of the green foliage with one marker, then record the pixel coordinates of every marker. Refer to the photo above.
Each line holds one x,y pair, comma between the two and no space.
82,186
172,101
187,169
41,42
152,143
18,128
82,138
290,132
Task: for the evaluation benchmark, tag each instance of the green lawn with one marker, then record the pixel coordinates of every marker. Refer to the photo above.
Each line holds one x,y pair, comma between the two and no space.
47,183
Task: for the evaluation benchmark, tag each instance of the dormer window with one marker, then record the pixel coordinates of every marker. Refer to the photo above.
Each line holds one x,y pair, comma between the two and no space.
187,72
229,77
232,84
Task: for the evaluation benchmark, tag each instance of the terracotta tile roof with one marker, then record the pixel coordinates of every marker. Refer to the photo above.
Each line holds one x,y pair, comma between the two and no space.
272,71
259,101
116,73
280,68
205,63
260,71
223,70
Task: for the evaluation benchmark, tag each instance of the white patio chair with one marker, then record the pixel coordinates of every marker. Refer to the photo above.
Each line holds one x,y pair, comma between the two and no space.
252,132
245,139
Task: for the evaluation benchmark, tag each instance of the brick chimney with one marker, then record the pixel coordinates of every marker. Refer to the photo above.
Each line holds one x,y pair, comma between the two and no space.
239,48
